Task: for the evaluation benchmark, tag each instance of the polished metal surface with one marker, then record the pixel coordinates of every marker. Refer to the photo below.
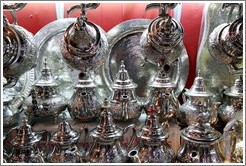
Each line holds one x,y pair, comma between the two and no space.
124,44
19,50
107,137
123,101
84,104
65,145
233,101
45,99
162,41
196,99
213,67
152,146
162,96
84,45
24,144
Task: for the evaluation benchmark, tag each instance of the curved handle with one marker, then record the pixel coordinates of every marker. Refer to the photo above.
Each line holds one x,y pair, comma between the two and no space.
83,7
133,136
163,7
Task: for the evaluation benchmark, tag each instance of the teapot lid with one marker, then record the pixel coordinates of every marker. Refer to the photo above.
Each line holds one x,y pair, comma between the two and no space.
164,32
203,134
106,129
65,135
46,78
199,88
162,80
25,136
152,130
82,38
123,80
85,81
237,89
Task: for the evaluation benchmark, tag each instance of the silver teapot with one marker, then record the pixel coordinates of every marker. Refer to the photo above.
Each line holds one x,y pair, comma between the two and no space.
124,104
162,41
233,102
162,96
226,41
85,44
65,149
200,141
84,105
152,146
198,96
25,144
107,144
45,100
19,50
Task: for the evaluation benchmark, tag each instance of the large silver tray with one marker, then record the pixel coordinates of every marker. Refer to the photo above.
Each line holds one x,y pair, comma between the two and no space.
124,45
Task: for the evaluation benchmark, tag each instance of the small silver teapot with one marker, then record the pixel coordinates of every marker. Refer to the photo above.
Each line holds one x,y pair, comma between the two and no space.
84,105
198,96
85,44
163,38
233,101
65,148
162,96
19,49
124,104
226,41
25,144
45,100
153,146
107,144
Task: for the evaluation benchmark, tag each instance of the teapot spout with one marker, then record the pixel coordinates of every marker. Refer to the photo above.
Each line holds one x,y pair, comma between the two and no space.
133,157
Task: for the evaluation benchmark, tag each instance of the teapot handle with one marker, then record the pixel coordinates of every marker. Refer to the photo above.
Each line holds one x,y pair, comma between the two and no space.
133,136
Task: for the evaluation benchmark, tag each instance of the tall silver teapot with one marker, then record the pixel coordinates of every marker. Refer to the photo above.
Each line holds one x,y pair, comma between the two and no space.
84,104
162,96
152,146
232,103
19,50
25,143
84,44
107,144
198,96
124,103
